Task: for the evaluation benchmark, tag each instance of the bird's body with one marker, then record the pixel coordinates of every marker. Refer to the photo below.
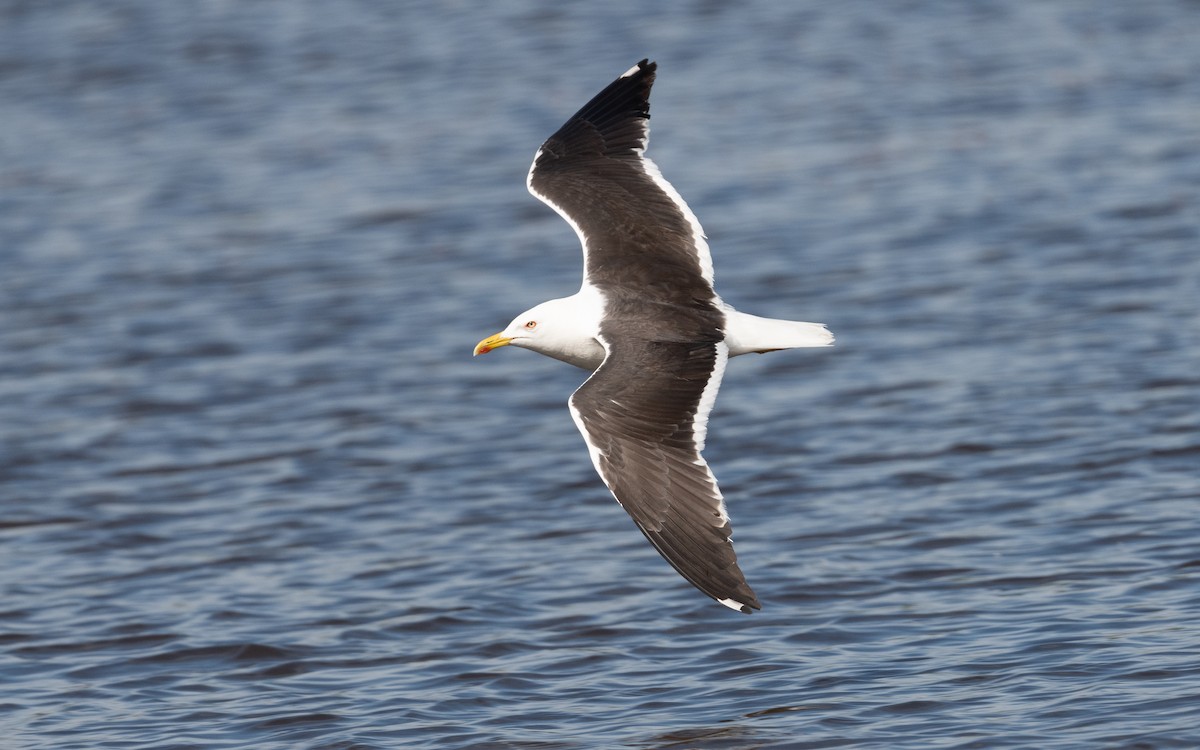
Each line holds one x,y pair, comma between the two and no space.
649,327
578,343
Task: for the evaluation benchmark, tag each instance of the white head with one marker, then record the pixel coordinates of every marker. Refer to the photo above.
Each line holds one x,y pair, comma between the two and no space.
564,329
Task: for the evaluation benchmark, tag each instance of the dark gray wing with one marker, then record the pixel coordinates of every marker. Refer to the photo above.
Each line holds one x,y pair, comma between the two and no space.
634,226
643,414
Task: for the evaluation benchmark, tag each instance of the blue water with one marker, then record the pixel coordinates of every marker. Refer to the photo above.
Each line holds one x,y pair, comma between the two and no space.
255,493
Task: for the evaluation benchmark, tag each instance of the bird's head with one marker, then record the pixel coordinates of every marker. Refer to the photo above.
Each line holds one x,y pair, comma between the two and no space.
533,329
565,329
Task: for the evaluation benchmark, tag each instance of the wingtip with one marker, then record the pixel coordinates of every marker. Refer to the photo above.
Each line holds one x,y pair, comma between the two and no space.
645,65
744,608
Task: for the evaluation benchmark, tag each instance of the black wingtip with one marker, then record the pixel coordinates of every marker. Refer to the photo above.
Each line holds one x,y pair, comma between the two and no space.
644,71
748,609
612,114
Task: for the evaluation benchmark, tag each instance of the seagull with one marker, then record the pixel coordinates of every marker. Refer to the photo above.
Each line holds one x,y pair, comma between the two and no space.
648,326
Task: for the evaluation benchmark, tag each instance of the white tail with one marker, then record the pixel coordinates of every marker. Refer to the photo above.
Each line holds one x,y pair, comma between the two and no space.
749,333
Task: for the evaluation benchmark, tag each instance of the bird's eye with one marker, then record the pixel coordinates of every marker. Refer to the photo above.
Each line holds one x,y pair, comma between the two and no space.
531,325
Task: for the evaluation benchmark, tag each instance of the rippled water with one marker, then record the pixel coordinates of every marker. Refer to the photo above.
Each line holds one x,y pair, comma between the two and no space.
254,491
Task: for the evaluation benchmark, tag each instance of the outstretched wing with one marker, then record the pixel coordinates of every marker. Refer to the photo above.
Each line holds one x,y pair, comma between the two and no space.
643,414
632,223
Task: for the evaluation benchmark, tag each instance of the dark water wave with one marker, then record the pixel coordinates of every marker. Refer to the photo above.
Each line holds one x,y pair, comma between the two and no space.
255,493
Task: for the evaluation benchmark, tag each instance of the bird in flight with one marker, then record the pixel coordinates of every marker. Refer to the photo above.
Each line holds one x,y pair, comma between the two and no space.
650,329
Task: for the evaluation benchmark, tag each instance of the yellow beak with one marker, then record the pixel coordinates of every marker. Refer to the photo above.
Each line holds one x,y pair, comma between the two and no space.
490,343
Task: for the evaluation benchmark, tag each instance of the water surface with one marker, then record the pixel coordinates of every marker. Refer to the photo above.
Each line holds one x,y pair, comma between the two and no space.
254,492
